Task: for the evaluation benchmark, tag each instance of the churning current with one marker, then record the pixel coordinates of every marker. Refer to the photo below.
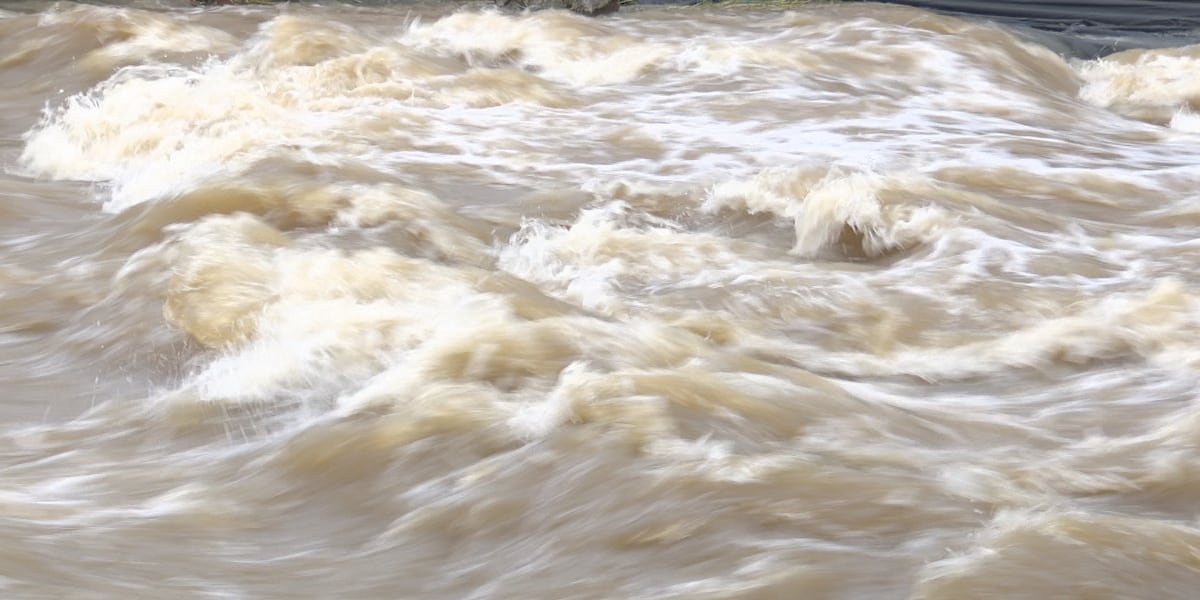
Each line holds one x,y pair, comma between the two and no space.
849,302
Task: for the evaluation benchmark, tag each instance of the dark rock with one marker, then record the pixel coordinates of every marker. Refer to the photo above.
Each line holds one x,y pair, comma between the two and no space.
583,7
225,2
595,7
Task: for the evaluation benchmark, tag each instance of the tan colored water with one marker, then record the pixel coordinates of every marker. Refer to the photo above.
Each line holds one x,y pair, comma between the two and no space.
850,302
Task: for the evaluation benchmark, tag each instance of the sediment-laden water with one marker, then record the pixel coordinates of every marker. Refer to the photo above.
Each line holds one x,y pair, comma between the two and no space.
427,301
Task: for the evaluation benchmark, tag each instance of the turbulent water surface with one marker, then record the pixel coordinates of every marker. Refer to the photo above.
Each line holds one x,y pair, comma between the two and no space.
428,301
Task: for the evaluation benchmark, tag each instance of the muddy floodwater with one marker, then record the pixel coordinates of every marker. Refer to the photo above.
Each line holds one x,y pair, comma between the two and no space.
431,301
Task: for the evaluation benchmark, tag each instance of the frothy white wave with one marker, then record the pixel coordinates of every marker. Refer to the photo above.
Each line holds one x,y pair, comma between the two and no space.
504,104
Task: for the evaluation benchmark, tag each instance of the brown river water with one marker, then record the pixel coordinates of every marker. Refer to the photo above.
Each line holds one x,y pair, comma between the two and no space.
427,301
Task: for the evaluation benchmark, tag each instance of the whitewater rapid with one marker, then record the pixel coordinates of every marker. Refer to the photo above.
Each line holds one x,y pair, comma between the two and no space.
845,301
